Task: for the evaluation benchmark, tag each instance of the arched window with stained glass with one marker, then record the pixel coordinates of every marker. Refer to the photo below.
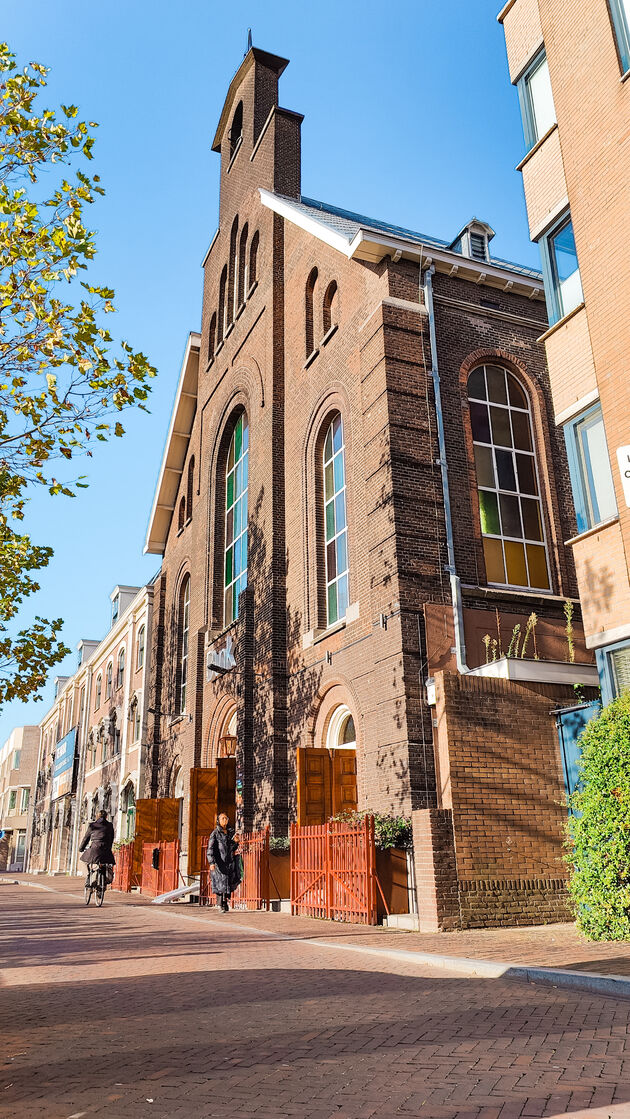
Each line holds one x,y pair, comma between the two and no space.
335,522
512,521
235,569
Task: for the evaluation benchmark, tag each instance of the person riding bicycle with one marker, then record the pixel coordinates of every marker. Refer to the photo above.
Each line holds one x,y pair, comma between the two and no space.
96,844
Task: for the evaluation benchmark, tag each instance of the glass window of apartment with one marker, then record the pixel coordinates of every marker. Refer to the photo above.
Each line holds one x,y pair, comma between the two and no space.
24,800
12,800
510,508
537,107
17,755
620,12
589,466
563,286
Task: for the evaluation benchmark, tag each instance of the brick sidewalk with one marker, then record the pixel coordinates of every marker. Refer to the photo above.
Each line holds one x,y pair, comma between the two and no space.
136,1010
554,946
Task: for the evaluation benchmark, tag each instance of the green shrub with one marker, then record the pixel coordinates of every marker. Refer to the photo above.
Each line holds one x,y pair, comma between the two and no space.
599,843
389,831
280,844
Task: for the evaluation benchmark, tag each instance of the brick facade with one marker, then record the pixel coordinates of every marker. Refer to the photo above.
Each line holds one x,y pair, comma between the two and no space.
290,365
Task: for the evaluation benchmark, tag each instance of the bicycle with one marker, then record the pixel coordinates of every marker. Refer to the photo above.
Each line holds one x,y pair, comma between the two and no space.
96,883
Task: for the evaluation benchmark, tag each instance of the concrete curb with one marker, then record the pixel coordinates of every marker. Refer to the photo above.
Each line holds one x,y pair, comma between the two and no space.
612,986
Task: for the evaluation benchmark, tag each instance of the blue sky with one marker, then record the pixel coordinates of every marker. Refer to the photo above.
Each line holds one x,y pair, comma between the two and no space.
409,117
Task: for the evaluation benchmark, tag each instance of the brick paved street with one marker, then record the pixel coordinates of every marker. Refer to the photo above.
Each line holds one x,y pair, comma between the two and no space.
142,1011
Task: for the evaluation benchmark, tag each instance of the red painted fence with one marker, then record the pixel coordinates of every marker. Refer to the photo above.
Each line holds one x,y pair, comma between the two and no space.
159,879
333,871
253,892
123,869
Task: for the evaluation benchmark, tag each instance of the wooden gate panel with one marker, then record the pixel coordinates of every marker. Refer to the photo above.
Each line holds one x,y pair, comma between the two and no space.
333,871
314,778
146,831
344,781
163,877
204,794
123,868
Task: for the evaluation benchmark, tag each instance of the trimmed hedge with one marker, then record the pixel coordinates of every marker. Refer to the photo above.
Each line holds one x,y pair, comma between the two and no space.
599,833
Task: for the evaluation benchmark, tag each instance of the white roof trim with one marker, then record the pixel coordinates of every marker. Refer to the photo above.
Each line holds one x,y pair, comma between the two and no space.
283,207
358,246
175,448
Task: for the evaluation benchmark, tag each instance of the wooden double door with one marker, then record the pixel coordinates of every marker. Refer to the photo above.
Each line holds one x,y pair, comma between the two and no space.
326,784
212,791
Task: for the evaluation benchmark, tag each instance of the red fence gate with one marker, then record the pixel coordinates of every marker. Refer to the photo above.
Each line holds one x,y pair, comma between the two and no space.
333,871
123,870
160,867
253,892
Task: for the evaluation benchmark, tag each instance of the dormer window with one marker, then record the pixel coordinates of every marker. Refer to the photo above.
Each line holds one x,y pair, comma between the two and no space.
115,608
236,131
473,240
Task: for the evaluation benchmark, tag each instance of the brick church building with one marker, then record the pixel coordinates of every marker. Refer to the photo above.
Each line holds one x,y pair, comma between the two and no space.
362,495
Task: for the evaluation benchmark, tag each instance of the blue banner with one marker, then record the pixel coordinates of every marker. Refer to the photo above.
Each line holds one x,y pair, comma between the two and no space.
64,764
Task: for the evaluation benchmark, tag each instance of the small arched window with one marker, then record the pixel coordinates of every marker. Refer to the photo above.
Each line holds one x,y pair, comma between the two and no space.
181,516
236,131
222,311
97,691
233,264
341,734
212,333
108,681
189,486
236,476
329,309
141,642
120,674
183,634
510,507
242,267
309,297
253,260
335,522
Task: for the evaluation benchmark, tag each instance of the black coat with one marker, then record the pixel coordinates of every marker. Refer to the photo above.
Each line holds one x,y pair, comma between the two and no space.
98,840
222,848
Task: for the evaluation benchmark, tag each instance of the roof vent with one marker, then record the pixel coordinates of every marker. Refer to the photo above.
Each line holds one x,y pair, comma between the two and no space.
473,240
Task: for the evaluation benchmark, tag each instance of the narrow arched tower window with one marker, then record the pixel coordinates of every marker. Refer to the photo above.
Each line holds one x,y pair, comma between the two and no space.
236,130
183,631
335,522
222,311
190,486
253,260
212,336
329,310
232,280
243,282
309,296
510,507
236,476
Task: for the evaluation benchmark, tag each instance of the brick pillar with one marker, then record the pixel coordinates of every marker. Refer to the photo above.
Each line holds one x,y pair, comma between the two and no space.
436,869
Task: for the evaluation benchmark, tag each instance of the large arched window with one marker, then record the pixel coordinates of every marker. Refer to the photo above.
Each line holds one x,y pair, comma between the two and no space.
309,296
512,522
108,681
183,626
97,692
235,571
335,522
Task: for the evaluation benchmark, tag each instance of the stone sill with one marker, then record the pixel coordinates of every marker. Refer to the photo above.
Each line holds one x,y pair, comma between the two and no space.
592,531
310,359
561,322
539,143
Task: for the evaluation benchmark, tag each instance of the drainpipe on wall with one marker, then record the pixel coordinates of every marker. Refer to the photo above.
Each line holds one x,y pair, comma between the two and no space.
456,591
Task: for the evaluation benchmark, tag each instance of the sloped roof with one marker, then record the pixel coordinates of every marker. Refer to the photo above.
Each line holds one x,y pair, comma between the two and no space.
344,226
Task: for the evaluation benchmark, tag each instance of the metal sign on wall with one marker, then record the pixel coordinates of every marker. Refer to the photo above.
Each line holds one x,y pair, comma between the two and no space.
64,764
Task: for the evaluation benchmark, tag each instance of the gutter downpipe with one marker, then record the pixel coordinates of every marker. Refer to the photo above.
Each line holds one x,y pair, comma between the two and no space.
456,591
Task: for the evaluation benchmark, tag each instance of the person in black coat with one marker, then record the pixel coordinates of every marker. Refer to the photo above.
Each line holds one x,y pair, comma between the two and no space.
225,865
96,844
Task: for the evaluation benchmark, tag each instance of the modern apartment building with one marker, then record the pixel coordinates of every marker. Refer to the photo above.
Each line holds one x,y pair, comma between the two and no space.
570,63
18,771
92,749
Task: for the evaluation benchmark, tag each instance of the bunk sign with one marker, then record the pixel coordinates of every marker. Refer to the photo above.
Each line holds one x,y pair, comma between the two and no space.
64,764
